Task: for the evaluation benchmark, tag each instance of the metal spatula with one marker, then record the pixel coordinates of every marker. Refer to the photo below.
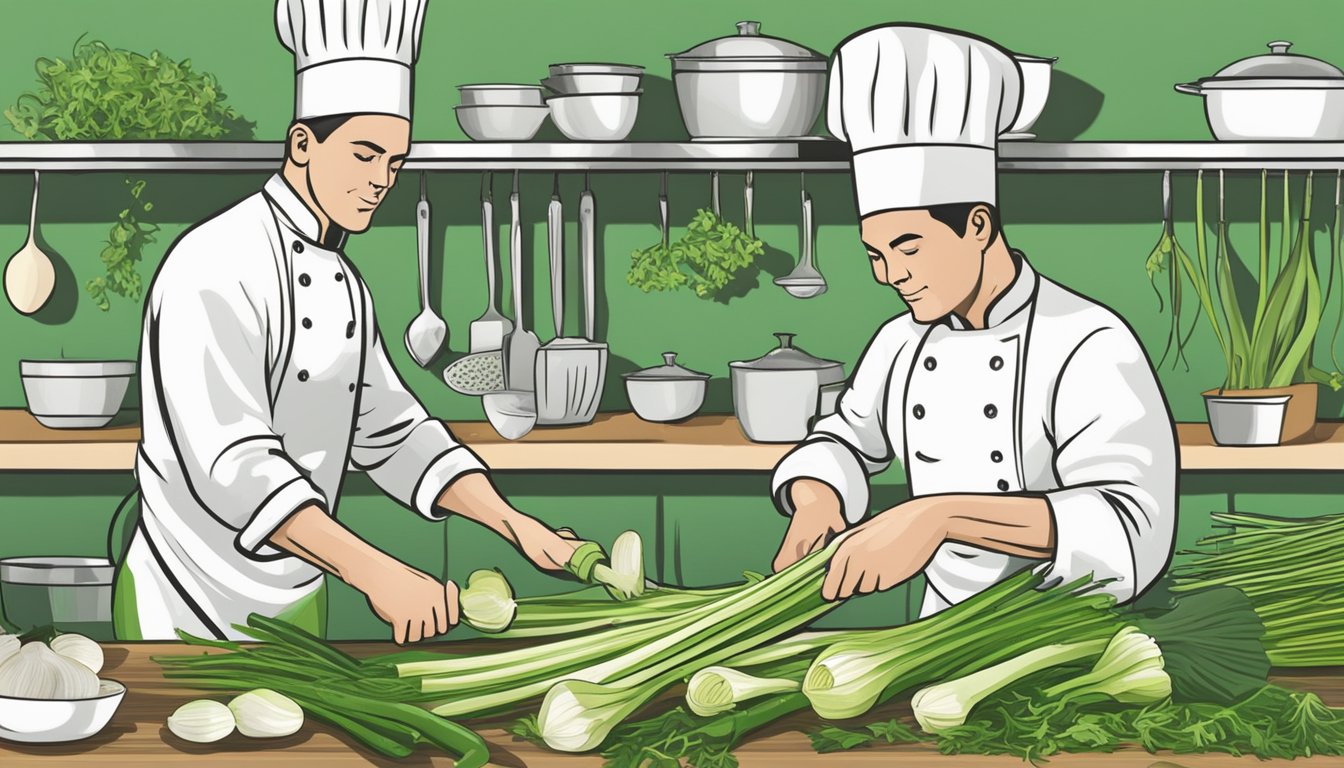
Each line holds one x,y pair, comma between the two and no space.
520,349
488,331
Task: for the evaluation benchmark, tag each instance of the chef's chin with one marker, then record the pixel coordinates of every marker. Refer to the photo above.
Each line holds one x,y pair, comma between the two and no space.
356,221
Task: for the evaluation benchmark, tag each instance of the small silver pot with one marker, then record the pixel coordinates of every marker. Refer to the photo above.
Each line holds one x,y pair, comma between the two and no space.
776,396
1247,420
72,593
749,86
669,392
1278,96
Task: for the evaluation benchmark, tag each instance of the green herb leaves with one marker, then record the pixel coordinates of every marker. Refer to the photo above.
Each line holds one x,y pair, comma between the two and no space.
106,93
102,93
706,259
833,739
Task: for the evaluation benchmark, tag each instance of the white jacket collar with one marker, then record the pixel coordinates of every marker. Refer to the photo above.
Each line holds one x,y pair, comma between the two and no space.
297,215
1007,304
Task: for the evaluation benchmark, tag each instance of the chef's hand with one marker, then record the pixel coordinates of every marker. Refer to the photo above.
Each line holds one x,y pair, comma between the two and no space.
816,518
885,551
417,605
547,549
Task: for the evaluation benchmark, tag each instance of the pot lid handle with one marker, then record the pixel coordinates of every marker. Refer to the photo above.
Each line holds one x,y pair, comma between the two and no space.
785,340
749,28
1280,46
669,358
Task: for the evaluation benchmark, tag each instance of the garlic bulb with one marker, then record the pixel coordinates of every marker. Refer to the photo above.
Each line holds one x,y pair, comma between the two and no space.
81,649
37,672
201,721
9,645
263,713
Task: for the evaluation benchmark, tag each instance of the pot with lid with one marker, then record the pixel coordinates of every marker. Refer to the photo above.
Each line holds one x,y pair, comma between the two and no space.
1278,96
669,392
749,86
776,396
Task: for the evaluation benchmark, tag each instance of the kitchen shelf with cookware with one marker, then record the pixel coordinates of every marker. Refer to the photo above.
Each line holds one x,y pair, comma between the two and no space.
620,442
819,154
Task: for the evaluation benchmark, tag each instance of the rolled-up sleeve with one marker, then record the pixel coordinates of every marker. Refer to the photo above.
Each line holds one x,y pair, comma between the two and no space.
208,353
409,455
848,447
1116,460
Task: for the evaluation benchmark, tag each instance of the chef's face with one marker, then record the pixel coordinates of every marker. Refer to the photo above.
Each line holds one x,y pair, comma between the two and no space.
935,270
351,171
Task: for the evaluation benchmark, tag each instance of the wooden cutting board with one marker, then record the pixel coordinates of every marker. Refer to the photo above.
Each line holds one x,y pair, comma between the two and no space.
137,737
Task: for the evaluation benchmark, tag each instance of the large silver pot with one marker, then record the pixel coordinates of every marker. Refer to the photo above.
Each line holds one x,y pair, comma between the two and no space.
776,396
749,86
1278,96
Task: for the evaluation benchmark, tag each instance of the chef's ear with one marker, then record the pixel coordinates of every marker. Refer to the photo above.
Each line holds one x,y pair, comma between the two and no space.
298,143
980,224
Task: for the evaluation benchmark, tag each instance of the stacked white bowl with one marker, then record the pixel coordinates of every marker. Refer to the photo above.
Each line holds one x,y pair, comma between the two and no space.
501,112
594,102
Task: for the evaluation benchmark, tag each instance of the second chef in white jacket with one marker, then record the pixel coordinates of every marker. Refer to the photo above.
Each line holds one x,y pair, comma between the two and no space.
1028,418
265,374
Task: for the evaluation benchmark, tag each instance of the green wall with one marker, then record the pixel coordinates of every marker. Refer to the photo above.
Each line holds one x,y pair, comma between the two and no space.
1093,232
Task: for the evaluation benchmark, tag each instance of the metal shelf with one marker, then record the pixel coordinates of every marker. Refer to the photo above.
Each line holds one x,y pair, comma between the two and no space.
805,155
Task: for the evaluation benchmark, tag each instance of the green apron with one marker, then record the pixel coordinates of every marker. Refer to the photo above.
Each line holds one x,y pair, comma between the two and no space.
309,613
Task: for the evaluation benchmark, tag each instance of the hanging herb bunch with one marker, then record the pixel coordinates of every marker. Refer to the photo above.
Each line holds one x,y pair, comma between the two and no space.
102,93
706,258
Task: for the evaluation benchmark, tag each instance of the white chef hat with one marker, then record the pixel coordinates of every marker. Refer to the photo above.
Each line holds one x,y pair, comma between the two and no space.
351,56
922,109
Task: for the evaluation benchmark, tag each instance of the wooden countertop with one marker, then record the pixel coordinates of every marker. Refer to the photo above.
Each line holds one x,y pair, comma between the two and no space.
137,737
618,442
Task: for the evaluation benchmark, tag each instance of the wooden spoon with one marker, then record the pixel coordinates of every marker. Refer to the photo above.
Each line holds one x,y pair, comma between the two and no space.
29,275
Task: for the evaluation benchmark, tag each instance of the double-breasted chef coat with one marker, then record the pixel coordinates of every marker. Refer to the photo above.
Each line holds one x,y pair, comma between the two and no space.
263,376
1054,397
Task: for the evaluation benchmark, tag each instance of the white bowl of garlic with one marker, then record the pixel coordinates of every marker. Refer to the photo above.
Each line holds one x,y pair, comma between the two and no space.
52,693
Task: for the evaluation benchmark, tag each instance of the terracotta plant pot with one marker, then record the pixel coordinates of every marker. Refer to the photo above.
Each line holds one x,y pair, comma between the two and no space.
1299,419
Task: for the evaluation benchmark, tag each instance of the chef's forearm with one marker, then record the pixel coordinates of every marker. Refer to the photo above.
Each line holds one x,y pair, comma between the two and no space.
474,497
813,497
1014,525
317,537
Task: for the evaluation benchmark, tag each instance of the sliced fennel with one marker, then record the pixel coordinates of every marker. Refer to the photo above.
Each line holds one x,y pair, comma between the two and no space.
487,601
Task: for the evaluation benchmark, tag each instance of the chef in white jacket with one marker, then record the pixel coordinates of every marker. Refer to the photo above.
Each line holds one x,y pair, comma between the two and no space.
1028,418
264,374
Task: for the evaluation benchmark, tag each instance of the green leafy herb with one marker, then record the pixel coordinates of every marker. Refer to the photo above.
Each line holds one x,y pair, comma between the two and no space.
1211,646
834,739
102,93
706,259
527,729
1271,723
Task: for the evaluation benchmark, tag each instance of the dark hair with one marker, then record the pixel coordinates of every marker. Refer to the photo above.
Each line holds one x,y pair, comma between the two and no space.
321,127
956,216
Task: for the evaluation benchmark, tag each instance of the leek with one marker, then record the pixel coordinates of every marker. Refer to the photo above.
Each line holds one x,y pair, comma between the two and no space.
1130,671
487,601
850,677
946,705
715,690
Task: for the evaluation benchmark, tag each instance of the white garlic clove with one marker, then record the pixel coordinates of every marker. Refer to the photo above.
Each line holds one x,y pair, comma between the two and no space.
81,649
9,645
201,721
263,713
37,672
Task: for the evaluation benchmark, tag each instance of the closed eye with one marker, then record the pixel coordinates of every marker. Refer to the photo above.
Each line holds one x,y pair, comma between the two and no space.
363,158
875,256
910,252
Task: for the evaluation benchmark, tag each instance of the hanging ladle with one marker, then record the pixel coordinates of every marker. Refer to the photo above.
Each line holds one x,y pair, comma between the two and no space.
29,275
804,282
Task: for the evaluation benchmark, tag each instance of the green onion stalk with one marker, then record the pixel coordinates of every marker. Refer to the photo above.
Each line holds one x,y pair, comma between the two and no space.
850,677
644,657
328,685
1291,572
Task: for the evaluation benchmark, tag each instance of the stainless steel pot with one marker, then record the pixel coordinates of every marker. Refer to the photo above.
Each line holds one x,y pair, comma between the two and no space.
1279,96
749,86
776,396
72,593
669,392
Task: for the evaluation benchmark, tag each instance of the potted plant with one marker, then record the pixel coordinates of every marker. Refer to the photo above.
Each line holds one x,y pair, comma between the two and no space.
1268,395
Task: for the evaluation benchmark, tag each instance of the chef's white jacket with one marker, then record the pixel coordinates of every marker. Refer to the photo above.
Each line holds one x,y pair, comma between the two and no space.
263,376
1055,398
